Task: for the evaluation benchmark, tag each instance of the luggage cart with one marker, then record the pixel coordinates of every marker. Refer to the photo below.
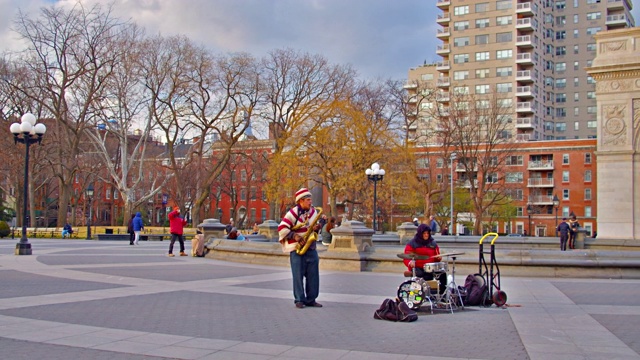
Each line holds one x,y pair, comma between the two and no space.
490,274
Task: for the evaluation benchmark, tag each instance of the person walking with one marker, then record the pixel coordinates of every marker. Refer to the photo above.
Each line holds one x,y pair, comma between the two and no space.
132,234
564,230
176,228
305,266
138,226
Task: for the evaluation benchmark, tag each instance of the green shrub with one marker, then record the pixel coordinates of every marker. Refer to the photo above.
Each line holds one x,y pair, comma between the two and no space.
4,229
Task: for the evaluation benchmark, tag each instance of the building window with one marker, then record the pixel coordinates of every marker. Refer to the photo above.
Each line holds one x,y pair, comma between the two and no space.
504,54
461,58
482,7
504,71
587,176
565,159
591,47
561,97
482,39
561,83
514,160
439,163
461,25
576,124
243,175
461,10
243,194
565,210
594,15
482,89
461,41
482,23
482,73
482,56
253,193
504,20
504,87
461,75
587,158
565,194
592,110
561,50
592,124
504,37
587,194
587,211
565,176
561,66
264,214
513,177
503,4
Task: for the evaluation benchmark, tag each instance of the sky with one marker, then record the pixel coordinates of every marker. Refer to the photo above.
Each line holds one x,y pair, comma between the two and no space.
379,38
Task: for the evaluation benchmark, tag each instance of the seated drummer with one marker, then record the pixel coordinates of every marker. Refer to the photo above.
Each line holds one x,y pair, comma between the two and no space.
423,244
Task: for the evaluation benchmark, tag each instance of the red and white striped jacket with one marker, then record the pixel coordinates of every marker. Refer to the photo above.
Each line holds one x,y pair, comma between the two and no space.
293,217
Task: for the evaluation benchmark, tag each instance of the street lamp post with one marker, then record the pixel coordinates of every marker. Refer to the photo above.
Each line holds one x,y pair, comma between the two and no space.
27,132
375,174
451,158
89,195
556,204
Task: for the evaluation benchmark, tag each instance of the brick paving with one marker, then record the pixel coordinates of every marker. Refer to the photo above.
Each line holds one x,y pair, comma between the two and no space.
88,299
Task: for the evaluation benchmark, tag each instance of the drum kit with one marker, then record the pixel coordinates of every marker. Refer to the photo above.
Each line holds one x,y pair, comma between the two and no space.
416,291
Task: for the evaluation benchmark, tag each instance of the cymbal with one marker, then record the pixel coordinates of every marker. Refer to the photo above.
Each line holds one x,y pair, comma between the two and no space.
450,254
413,256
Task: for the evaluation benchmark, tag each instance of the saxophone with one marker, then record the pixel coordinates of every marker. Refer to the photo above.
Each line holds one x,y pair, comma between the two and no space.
310,236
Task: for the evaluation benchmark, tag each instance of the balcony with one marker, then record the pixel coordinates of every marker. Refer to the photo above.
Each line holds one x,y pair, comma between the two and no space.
443,97
524,76
443,66
618,4
410,85
540,183
524,137
524,58
443,18
541,199
616,20
444,82
525,41
524,91
461,168
524,123
524,107
443,49
524,24
524,9
540,165
467,184
443,4
443,33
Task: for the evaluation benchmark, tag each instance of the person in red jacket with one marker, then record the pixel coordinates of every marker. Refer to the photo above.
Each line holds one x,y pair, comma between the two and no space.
423,244
176,228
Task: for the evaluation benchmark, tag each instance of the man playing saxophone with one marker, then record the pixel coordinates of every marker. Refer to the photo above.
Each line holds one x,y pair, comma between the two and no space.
295,230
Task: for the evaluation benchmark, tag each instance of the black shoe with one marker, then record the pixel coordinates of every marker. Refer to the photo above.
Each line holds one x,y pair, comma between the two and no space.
300,305
313,304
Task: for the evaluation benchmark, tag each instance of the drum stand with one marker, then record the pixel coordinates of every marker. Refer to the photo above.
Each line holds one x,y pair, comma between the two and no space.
452,285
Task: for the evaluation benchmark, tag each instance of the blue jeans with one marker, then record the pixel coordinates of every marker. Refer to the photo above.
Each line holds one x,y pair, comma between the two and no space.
305,266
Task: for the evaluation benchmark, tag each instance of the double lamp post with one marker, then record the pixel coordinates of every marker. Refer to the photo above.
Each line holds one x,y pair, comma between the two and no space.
27,132
375,174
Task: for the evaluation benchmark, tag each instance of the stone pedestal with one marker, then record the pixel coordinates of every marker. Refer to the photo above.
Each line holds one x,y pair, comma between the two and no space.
269,229
351,236
616,69
212,229
406,231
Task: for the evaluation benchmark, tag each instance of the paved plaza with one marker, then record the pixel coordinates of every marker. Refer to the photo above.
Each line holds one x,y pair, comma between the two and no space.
78,299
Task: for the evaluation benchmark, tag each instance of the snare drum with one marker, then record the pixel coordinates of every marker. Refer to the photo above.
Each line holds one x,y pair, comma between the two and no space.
412,293
437,267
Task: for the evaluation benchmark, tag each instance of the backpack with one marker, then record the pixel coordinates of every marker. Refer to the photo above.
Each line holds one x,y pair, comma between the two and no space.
476,292
405,313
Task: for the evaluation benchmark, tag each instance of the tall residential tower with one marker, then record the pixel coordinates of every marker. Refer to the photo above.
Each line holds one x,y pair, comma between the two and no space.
532,53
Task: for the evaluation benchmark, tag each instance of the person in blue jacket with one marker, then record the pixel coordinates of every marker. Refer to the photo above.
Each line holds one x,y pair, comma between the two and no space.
138,226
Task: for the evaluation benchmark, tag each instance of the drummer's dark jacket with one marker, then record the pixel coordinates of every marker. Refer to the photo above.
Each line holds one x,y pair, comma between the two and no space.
422,247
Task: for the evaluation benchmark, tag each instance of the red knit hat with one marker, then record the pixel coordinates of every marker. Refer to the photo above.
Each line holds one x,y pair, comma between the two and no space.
302,193
176,208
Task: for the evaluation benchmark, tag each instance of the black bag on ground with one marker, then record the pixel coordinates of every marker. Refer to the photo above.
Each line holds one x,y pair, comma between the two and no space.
476,292
387,311
405,313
